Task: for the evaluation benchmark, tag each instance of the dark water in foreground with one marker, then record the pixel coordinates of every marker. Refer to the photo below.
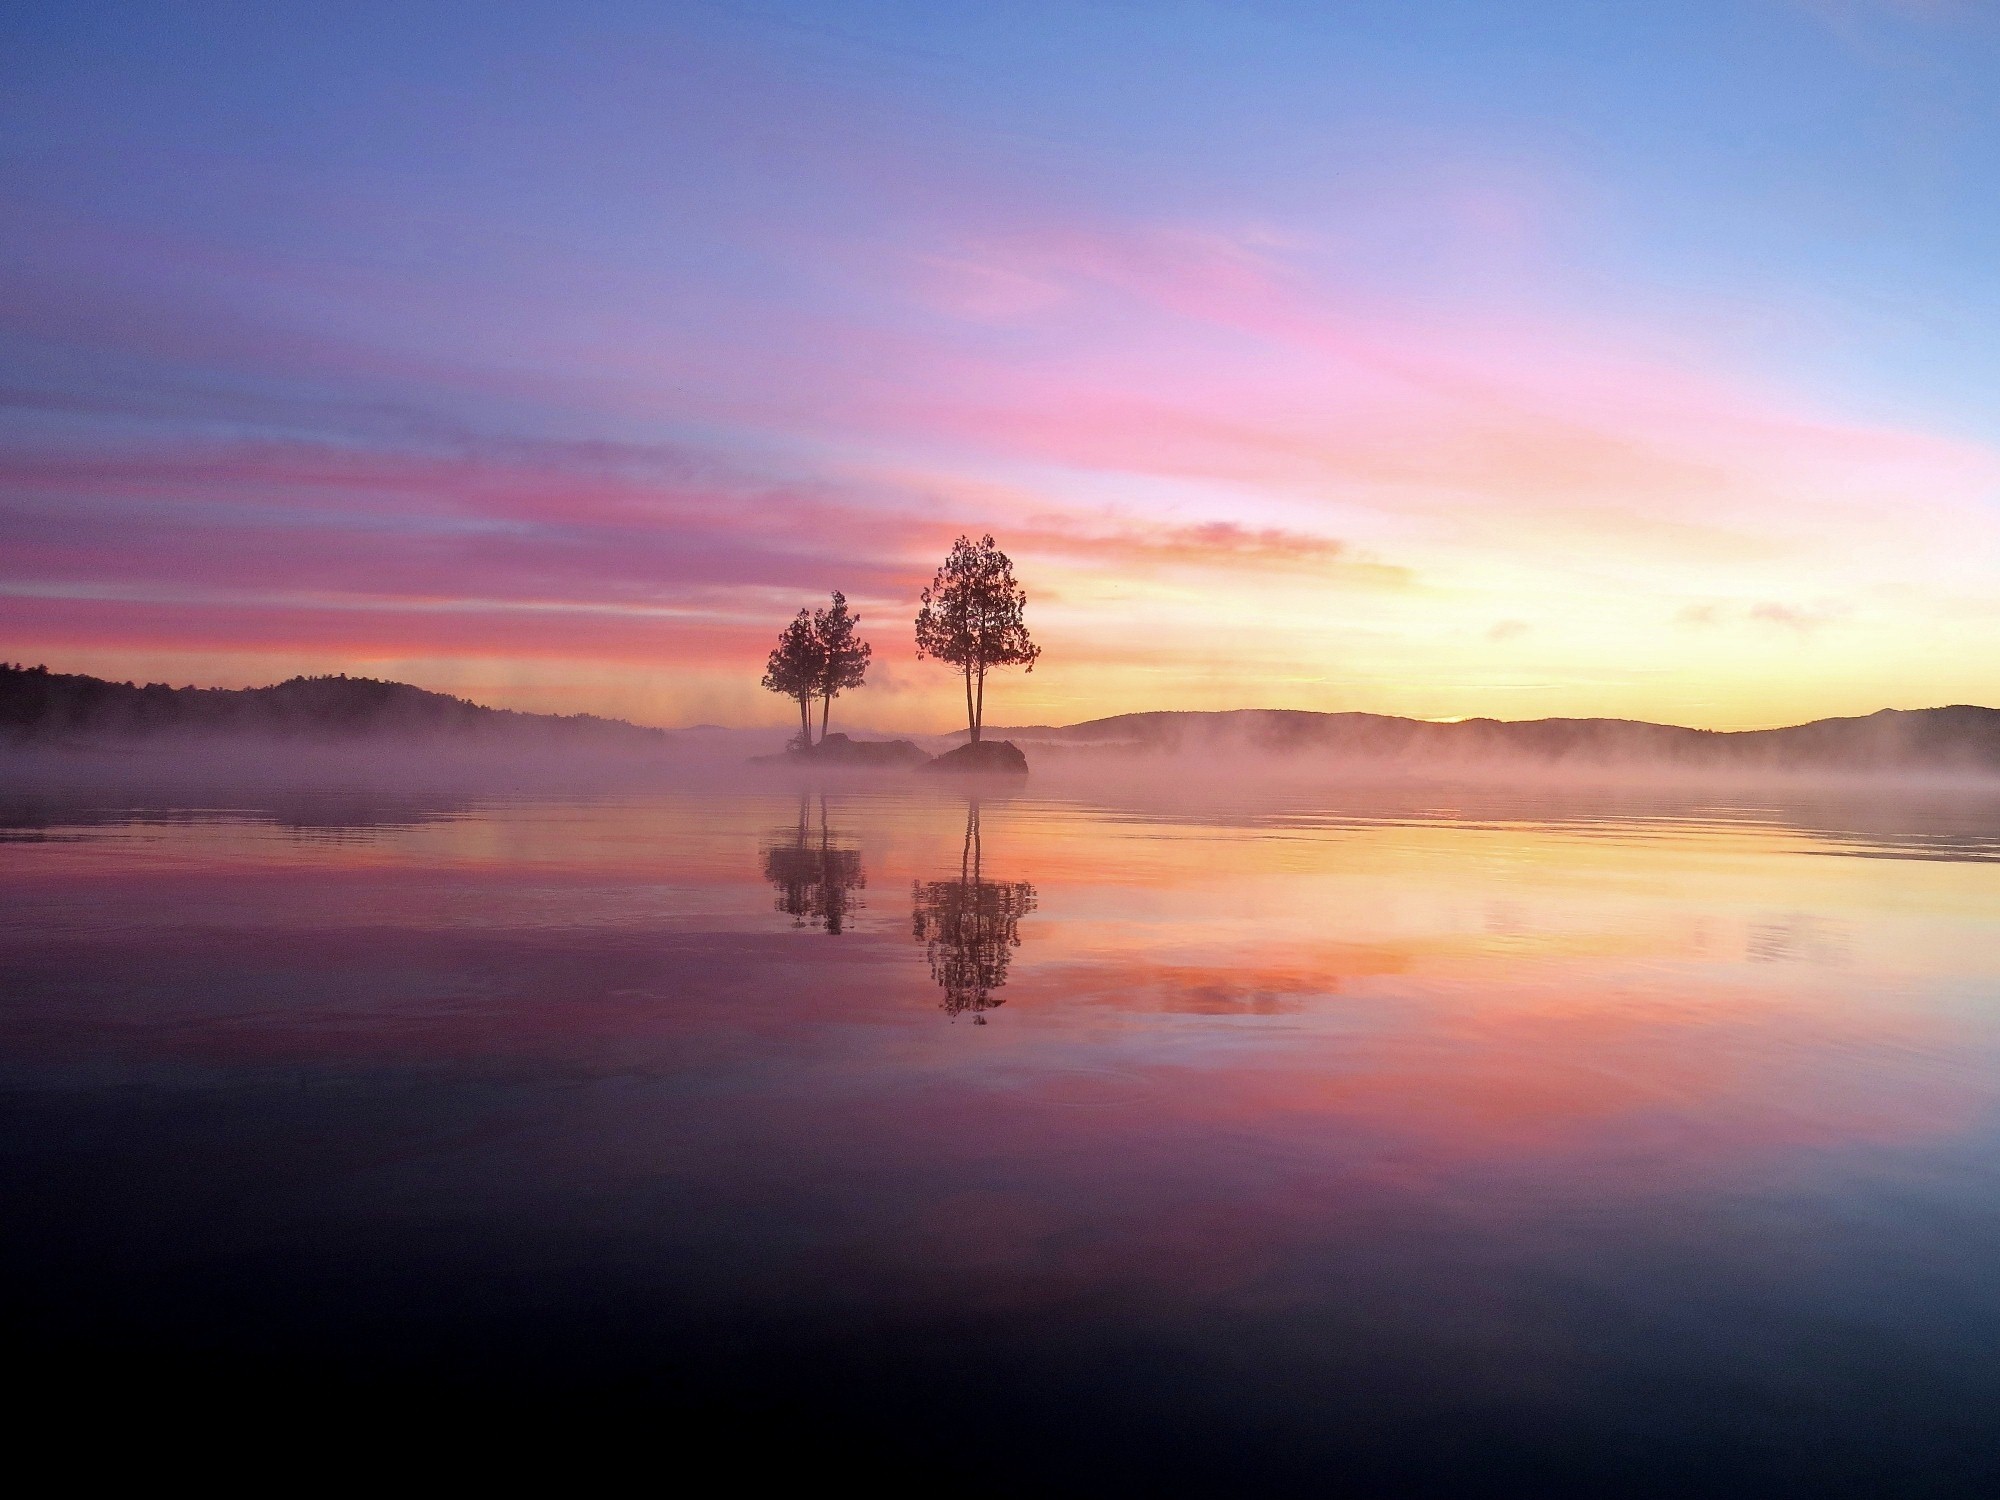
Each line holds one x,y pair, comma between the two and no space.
1414,1143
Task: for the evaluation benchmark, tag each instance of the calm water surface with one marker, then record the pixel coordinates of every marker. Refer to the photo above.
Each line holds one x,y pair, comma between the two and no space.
1419,1141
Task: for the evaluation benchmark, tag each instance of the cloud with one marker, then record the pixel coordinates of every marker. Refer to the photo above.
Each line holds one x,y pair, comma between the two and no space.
1206,546
1805,619
190,621
568,450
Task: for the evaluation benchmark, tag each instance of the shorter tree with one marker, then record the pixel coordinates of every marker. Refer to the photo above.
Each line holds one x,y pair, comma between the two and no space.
815,881
843,654
972,618
794,669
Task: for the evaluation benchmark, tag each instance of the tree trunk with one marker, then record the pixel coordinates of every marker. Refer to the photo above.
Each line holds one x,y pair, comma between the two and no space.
971,719
825,707
979,712
805,721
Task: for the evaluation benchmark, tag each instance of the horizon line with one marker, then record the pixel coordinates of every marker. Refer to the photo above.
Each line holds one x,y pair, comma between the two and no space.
877,730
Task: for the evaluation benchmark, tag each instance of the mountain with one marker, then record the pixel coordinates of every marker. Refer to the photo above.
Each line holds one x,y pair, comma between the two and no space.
40,706
37,705
1959,738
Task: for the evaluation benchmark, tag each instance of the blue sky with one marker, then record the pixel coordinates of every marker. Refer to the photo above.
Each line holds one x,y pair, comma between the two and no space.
856,271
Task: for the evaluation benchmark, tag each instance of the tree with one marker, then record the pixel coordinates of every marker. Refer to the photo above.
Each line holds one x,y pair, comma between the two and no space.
971,618
843,654
815,882
794,670
969,928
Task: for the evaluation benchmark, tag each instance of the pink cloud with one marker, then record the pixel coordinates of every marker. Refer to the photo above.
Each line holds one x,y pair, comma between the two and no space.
1139,400
1187,357
376,631
1802,618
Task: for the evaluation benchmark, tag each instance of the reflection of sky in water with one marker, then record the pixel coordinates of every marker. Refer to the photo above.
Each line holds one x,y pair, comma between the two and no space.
1295,1131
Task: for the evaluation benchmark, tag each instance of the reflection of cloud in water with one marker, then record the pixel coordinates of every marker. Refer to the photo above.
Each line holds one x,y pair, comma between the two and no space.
332,815
1576,1012
1798,939
969,927
814,877
1248,987
1884,817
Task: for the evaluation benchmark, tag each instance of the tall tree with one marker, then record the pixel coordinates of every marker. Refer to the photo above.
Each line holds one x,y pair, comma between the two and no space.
972,618
843,654
969,927
794,670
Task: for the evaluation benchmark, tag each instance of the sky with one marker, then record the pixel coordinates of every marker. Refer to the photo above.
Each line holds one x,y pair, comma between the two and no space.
1410,356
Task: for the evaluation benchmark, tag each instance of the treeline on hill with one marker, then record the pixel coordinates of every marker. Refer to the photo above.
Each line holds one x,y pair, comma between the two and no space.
1959,738
39,705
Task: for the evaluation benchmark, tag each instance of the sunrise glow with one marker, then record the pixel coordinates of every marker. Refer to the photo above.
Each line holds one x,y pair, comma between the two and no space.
1298,360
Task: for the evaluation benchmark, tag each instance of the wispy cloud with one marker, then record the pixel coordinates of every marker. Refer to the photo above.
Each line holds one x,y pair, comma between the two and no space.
1802,618
640,409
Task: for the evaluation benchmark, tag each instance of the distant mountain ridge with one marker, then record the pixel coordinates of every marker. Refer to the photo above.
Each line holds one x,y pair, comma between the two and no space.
37,705
1962,737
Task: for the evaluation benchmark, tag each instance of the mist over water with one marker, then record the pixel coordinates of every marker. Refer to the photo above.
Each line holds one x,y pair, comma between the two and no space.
1197,1132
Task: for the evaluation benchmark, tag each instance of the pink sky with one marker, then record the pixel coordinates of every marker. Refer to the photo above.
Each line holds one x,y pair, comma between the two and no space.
576,420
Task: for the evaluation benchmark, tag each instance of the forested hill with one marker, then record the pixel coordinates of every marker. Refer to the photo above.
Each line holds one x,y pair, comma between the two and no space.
38,705
1958,738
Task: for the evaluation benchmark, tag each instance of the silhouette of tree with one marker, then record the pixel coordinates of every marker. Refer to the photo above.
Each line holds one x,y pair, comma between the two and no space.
969,928
794,670
972,618
815,878
843,654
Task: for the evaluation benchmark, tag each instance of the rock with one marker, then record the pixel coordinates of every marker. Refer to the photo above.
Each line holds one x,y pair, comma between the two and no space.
985,758
839,750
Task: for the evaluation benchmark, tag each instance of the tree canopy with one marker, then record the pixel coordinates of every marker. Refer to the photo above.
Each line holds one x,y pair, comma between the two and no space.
794,668
818,655
972,618
843,654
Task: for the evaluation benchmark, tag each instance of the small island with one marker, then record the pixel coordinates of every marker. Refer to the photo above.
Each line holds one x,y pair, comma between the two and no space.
972,617
838,750
982,758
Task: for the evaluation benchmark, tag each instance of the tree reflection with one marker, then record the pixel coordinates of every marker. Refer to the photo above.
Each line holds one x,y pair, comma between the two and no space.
814,877
969,928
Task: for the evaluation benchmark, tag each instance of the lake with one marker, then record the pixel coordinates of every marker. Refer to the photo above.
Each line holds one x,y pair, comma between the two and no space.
1407,1139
